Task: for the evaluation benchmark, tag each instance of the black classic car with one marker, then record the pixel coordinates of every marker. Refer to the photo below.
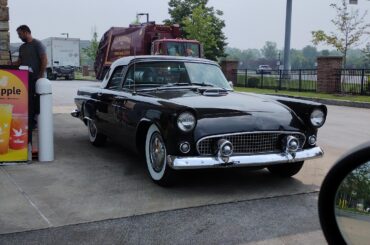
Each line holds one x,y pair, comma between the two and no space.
182,113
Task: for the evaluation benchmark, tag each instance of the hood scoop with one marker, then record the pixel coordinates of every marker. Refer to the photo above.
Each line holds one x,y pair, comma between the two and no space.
214,92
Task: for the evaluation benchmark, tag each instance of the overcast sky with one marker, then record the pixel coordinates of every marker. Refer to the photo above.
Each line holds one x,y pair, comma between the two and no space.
249,23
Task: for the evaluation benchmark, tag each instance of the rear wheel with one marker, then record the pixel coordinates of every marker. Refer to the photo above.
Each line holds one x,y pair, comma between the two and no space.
96,138
156,157
50,75
286,169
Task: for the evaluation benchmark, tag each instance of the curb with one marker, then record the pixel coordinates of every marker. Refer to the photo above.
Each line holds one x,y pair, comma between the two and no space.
365,105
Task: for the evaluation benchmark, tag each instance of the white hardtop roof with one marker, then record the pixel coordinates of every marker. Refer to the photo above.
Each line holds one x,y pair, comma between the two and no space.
124,61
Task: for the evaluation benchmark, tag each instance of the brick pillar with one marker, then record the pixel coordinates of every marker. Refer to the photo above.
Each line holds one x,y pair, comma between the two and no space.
229,68
328,78
4,33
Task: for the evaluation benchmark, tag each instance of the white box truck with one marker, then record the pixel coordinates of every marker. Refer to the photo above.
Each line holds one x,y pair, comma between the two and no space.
63,57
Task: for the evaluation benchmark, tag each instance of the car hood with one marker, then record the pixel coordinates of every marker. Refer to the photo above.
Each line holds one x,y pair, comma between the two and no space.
233,112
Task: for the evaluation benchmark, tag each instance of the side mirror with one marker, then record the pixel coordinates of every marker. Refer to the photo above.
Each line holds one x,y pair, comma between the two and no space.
344,199
231,84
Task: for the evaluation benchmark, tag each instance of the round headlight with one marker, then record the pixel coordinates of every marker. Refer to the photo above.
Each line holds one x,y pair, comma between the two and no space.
317,118
186,121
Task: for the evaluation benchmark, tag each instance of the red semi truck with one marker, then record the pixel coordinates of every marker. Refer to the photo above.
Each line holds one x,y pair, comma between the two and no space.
142,39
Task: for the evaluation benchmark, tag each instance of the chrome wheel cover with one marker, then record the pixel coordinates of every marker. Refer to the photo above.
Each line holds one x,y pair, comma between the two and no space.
92,130
157,152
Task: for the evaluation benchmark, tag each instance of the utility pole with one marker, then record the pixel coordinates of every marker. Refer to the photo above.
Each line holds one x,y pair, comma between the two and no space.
288,26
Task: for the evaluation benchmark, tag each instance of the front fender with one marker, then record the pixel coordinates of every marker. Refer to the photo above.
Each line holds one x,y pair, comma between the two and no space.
302,108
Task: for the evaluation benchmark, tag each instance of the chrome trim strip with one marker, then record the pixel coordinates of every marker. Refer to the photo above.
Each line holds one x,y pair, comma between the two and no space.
252,132
197,162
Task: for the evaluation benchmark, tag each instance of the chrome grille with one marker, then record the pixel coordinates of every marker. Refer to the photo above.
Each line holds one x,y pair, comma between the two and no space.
249,143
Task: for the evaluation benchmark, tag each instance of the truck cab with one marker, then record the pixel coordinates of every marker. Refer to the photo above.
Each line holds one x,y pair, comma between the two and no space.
177,47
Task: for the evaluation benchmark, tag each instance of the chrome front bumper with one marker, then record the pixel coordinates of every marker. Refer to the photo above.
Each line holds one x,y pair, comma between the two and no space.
243,161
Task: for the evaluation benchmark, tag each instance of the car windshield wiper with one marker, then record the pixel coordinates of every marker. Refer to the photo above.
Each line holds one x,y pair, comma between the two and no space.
203,84
174,85
168,85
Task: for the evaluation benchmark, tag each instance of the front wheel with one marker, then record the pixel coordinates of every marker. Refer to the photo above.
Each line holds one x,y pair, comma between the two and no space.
156,157
286,170
96,138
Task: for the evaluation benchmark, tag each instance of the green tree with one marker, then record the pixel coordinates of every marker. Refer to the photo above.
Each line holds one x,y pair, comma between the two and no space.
179,9
310,54
90,51
325,52
355,188
234,53
199,26
269,50
350,27
251,54
355,59
201,23
366,54
297,58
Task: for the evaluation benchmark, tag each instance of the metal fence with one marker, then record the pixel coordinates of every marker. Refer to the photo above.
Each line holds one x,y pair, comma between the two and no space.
355,81
295,80
348,81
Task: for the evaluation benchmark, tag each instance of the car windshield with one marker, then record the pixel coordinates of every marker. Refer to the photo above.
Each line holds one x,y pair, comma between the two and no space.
173,73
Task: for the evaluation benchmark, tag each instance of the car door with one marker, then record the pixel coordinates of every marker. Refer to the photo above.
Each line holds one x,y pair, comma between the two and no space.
123,106
129,105
106,109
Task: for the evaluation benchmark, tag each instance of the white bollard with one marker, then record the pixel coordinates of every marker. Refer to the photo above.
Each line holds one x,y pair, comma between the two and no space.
45,121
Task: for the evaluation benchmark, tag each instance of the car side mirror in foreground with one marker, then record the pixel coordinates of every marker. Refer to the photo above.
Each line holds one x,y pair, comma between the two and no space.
231,84
344,199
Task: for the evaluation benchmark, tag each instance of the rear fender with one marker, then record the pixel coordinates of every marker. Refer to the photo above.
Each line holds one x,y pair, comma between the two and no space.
89,111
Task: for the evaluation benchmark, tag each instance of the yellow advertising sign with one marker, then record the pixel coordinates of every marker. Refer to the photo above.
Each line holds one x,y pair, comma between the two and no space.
13,115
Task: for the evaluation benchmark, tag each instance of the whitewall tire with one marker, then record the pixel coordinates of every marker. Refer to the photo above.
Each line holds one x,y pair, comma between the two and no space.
156,157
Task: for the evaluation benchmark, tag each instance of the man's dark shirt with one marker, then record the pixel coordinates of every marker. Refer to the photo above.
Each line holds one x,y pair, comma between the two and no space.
30,55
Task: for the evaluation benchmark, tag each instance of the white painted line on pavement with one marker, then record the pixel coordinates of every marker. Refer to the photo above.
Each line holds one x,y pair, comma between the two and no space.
27,197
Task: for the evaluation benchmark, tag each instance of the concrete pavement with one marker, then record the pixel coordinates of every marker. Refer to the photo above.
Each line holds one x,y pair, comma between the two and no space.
86,184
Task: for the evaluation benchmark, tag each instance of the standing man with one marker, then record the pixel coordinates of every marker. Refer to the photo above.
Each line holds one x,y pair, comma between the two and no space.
32,53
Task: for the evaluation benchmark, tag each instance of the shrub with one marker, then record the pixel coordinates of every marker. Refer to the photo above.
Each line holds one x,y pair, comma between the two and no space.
253,82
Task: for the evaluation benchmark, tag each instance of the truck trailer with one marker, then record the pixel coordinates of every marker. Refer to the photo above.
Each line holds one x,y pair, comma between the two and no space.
63,57
142,39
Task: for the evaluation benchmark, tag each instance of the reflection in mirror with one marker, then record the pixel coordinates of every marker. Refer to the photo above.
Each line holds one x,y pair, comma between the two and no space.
352,206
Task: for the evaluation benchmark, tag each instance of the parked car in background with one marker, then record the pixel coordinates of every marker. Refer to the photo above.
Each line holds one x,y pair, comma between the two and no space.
264,69
181,113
